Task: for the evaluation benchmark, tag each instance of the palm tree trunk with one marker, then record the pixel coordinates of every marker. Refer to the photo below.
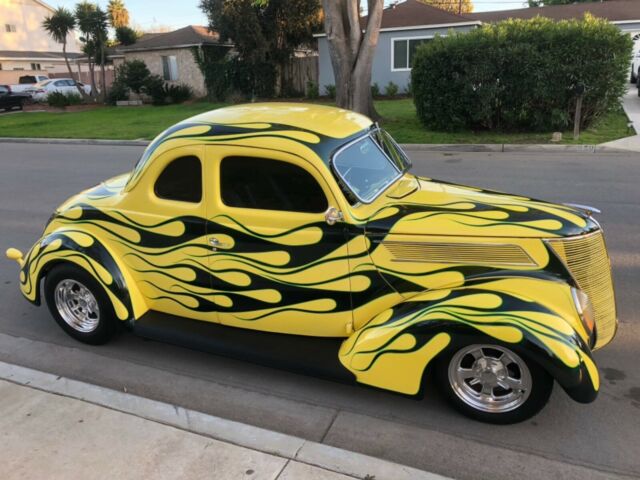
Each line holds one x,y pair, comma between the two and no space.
83,94
103,73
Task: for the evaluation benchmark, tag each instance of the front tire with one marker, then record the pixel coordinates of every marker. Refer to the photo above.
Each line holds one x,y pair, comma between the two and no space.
492,383
80,305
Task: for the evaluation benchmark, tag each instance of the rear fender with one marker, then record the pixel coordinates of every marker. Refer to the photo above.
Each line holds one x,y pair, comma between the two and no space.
393,350
89,253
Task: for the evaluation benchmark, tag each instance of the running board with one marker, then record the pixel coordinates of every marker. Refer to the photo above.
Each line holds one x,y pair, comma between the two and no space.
317,356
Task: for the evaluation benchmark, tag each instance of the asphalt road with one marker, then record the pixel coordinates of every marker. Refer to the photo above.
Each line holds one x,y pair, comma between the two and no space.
567,440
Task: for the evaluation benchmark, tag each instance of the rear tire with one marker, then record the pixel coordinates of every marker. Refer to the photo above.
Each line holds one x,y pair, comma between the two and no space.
492,383
80,305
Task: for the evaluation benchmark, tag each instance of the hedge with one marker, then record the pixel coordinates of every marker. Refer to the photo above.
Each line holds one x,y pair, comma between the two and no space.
521,75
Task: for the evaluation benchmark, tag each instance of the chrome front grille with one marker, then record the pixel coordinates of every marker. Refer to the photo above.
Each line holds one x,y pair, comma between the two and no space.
587,259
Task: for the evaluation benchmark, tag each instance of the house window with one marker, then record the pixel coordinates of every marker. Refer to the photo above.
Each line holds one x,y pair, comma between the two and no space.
170,68
10,28
403,51
35,66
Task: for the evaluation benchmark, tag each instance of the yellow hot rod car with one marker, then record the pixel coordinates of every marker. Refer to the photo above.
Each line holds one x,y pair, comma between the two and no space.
295,235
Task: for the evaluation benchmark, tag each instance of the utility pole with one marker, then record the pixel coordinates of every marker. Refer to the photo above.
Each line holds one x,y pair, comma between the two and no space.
460,8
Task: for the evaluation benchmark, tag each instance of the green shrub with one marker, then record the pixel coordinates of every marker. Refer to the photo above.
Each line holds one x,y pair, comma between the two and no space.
134,74
118,91
330,91
178,93
154,87
313,91
521,75
391,90
409,89
60,100
375,90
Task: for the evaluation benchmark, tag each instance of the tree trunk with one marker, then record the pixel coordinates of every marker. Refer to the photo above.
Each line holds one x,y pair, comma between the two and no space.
103,76
352,50
92,74
83,94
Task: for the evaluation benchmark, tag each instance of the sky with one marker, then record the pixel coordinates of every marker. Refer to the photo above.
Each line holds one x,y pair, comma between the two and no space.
150,15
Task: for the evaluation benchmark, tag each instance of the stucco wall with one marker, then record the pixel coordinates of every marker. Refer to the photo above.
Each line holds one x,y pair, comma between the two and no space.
381,72
27,16
188,71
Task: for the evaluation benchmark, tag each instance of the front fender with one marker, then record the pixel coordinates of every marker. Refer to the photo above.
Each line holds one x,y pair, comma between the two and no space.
84,249
535,317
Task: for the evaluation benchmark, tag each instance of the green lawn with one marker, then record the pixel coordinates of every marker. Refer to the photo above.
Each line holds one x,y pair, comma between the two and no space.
399,118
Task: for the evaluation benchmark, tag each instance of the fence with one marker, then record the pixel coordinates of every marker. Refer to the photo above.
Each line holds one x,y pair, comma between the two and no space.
299,71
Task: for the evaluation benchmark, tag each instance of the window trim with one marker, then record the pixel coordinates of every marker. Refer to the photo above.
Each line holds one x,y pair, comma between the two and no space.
270,159
393,164
405,39
166,199
169,69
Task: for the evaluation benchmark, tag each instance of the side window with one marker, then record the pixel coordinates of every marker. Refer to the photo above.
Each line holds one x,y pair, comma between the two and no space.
60,83
265,184
181,180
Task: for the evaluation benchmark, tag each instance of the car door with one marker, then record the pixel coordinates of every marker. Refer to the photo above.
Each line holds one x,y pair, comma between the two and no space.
280,265
58,86
5,97
168,253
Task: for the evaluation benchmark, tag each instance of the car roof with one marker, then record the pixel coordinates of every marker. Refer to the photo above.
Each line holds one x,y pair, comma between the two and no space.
323,119
298,128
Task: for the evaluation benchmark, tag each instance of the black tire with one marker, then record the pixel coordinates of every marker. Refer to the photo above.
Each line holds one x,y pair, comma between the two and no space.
540,391
633,78
107,324
21,104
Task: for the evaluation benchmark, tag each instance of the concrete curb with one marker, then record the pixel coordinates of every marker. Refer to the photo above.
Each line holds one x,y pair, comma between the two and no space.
286,446
424,147
76,141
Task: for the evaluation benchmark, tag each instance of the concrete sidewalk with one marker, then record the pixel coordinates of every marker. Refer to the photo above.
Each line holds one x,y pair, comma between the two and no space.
109,434
631,105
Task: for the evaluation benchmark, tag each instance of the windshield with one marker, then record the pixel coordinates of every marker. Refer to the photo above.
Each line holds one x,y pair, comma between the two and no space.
43,83
365,168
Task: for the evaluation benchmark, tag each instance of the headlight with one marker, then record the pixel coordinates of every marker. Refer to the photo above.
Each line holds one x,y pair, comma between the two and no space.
585,310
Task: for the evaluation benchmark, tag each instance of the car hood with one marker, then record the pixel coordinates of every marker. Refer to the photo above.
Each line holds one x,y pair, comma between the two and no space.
422,206
104,193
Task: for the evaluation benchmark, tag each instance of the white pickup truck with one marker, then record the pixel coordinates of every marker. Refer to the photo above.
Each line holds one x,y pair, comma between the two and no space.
26,82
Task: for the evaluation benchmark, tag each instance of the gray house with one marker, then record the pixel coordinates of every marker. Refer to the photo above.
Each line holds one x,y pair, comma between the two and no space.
404,26
407,24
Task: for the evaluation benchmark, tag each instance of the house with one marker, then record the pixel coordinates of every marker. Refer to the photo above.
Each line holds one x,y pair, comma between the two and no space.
407,24
170,55
623,13
25,47
404,26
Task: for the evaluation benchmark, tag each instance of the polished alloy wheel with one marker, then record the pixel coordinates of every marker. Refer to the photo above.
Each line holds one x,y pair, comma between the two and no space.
490,378
77,306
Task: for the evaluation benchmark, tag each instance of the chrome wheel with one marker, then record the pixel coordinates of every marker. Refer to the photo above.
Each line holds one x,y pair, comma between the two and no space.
77,306
490,378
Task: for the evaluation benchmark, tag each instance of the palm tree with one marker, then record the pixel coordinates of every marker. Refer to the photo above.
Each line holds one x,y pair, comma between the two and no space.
93,23
59,25
118,14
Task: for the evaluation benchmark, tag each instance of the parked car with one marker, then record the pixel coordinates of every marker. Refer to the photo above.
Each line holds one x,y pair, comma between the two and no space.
9,99
40,91
26,82
635,66
296,235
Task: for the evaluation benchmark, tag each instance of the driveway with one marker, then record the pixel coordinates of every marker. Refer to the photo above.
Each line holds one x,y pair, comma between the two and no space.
566,440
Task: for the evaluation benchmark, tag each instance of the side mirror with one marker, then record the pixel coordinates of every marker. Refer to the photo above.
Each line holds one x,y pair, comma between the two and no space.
333,215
